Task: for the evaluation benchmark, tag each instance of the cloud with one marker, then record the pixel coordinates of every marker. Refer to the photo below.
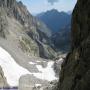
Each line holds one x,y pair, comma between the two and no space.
52,1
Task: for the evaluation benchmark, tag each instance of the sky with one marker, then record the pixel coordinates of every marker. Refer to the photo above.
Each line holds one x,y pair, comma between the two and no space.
38,6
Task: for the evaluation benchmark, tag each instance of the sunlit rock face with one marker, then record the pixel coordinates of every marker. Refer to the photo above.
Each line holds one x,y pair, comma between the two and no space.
75,73
31,34
24,38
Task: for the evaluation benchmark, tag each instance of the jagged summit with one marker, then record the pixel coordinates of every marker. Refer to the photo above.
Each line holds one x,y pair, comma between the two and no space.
55,20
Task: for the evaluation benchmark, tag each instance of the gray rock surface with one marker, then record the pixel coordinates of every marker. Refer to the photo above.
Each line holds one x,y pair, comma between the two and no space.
24,37
18,24
3,81
27,83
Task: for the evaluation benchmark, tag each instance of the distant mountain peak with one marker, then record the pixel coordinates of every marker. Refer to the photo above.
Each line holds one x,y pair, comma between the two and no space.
53,10
70,12
54,19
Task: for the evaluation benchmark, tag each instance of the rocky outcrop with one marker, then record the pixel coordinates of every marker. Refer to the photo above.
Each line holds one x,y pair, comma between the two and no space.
27,83
75,73
3,82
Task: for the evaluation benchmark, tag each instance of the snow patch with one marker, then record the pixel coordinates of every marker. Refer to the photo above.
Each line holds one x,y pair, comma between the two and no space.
38,85
32,63
38,61
46,73
12,70
60,59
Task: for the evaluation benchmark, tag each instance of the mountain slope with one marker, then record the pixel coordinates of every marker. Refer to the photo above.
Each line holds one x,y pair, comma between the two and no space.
75,73
18,26
27,41
55,20
62,39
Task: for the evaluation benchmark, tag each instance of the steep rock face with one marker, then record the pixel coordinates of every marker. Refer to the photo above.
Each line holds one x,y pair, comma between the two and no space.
3,82
7,3
75,73
33,35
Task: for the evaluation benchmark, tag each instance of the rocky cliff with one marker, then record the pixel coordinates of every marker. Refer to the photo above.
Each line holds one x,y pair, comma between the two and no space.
3,82
75,73
32,36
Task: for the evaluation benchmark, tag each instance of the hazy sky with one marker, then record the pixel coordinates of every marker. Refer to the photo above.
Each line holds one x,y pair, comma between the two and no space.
37,6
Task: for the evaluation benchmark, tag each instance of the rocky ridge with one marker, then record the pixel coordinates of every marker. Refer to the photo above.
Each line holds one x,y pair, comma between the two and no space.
54,19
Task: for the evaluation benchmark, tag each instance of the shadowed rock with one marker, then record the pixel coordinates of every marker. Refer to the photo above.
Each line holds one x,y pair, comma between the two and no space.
75,73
